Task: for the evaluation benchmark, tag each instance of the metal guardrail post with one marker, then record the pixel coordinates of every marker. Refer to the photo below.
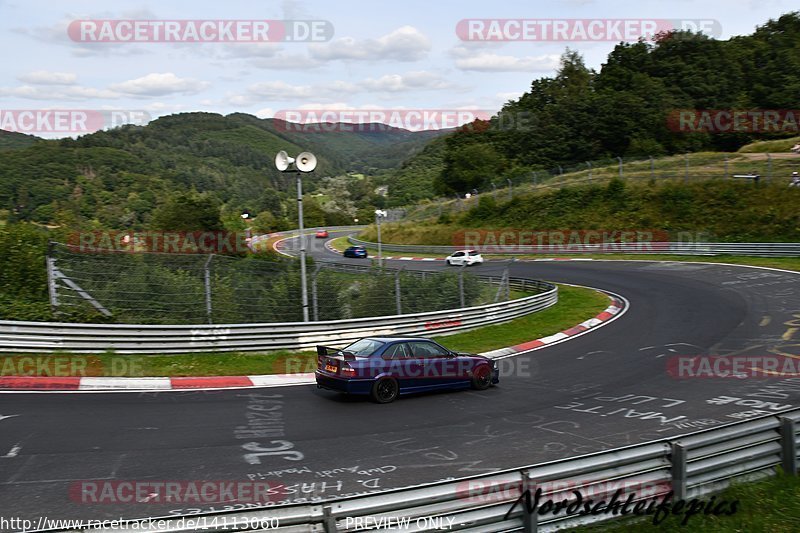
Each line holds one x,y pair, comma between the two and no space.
328,520
530,520
788,446
678,459
207,284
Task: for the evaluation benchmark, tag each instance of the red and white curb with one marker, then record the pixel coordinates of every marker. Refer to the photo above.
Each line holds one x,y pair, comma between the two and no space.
617,308
144,384
78,383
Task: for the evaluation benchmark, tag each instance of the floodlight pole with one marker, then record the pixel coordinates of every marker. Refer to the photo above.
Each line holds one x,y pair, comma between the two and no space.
303,281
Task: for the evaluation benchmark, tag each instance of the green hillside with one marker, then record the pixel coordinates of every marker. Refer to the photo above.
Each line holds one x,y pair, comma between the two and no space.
726,211
117,178
624,109
10,140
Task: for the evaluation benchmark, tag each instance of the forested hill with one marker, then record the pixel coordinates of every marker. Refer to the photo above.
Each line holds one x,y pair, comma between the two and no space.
624,109
116,178
10,140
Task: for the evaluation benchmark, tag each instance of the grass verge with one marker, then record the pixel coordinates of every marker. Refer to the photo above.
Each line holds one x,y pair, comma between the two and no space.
769,505
574,306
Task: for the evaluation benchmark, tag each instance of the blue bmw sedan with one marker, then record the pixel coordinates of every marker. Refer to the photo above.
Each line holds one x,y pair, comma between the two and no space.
387,367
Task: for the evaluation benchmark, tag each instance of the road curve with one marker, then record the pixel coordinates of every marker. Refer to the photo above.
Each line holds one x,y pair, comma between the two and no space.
602,390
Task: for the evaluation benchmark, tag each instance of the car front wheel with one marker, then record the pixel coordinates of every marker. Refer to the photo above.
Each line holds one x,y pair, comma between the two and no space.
481,378
385,390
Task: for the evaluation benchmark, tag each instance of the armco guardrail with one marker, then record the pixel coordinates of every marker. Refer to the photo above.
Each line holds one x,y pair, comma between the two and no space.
20,337
764,249
689,466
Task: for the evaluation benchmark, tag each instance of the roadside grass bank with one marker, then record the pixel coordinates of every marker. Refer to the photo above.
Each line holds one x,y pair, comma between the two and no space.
722,210
769,505
575,305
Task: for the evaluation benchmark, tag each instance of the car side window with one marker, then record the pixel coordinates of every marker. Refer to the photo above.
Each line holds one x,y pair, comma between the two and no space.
427,350
397,351
458,254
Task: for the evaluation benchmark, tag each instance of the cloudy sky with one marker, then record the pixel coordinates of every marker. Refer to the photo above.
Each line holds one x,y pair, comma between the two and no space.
382,54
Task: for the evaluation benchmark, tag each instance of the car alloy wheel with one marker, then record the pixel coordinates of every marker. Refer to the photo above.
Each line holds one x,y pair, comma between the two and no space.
385,390
481,378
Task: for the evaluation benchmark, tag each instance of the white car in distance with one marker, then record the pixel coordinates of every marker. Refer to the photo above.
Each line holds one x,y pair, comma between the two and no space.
464,257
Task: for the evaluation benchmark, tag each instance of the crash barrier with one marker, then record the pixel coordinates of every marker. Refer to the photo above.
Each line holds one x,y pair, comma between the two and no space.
17,336
765,249
691,466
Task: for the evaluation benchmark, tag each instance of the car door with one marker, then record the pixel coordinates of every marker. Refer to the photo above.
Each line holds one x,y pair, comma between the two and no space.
402,365
435,362
457,258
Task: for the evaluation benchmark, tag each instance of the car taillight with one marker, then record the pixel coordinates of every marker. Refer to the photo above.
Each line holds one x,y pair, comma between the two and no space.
320,362
347,370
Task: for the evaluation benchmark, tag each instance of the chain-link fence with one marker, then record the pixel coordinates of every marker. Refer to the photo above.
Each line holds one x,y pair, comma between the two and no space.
768,168
159,288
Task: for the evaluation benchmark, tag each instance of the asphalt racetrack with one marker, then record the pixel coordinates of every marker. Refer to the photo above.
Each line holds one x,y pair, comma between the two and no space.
605,389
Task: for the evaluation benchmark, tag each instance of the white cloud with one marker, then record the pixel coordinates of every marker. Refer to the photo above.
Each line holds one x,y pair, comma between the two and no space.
160,84
403,44
419,80
43,77
390,83
56,93
501,63
480,57
267,112
273,90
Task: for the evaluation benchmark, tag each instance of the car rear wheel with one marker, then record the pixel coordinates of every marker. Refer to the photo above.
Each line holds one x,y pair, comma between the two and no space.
385,390
482,378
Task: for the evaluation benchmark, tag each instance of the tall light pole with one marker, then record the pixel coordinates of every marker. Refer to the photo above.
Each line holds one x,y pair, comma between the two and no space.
305,162
379,213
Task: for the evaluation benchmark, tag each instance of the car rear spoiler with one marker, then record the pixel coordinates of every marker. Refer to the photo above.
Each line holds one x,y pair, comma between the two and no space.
329,350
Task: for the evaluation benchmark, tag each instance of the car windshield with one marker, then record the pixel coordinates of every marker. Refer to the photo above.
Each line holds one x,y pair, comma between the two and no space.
364,347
